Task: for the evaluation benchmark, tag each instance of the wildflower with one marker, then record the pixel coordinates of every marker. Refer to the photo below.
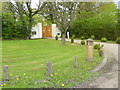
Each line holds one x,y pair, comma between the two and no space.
63,85
24,74
17,78
89,67
10,74
51,75
2,85
55,73
44,81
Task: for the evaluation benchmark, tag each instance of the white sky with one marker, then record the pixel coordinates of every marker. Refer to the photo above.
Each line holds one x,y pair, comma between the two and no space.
34,2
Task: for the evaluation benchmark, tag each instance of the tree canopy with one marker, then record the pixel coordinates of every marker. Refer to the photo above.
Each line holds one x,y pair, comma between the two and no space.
100,19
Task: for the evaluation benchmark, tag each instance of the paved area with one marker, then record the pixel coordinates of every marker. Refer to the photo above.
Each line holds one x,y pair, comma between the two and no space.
109,75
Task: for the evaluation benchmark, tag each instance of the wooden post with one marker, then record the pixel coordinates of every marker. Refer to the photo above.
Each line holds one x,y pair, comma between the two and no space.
75,61
49,68
6,72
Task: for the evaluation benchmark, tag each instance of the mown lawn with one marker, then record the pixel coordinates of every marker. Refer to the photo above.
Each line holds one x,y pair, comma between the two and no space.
27,60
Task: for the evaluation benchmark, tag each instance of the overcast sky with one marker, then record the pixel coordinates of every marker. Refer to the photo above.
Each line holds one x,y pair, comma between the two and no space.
34,2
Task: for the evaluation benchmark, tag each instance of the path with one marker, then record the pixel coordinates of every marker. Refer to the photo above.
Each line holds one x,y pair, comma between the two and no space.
109,75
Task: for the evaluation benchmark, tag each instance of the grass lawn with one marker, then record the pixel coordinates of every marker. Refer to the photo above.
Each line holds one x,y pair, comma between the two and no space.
27,60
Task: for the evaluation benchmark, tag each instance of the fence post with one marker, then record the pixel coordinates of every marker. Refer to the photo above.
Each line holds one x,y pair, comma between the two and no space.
6,72
49,68
75,61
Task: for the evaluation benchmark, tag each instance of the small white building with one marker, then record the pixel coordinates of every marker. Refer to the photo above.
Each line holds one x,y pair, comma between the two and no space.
41,31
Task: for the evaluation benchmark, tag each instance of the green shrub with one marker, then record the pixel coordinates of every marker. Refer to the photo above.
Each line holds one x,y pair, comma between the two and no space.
82,42
72,38
56,37
82,38
93,37
118,40
96,46
99,48
103,40
100,52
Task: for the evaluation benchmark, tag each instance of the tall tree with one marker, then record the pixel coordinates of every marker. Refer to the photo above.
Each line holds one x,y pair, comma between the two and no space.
63,14
119,18
99,20
22,9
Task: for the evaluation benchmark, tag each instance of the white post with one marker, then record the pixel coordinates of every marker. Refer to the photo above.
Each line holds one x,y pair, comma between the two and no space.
68,36
39,30
53,30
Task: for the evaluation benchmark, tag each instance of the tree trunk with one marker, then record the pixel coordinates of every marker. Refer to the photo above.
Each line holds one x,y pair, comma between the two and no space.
63,38
30,27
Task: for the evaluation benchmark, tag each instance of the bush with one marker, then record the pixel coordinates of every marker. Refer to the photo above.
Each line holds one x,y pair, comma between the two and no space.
56,37
118,40
82,38
72,39
82,42
98,46
12,29
93,37
100,52
103,40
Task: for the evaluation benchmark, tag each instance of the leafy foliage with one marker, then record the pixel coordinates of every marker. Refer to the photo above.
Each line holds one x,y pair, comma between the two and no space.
12,29
98,19
72,39
118,40
56,37
82,37
103,40
93,37
98,46
82,42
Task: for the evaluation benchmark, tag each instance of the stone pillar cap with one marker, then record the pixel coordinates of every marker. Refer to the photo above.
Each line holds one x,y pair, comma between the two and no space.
90,40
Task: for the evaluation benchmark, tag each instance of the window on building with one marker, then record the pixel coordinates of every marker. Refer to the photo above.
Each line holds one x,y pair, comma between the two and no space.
33,32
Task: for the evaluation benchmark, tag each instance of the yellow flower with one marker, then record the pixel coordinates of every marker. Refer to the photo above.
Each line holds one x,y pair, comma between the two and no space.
55,73
63,85
17,78
44,81
24,74
89,67
10,74
2,85
51,75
